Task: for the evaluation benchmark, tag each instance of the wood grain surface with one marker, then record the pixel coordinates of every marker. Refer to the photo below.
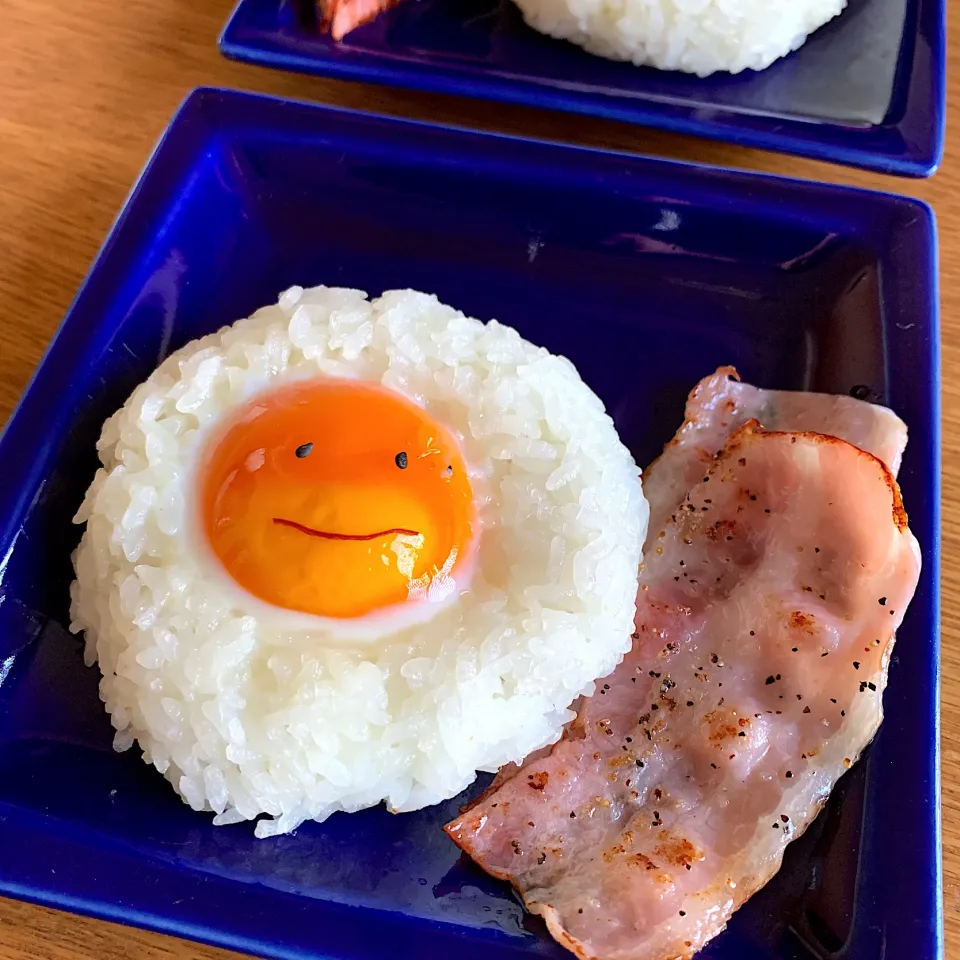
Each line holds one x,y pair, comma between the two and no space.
85,91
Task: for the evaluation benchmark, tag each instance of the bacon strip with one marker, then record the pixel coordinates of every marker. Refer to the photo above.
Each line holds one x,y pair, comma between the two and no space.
339,17
770,594
721,403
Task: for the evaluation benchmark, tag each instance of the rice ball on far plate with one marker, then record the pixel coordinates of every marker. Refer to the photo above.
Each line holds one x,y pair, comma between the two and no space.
695,36
350,551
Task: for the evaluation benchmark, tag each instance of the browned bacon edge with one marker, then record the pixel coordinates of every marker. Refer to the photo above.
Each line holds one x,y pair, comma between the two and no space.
339,17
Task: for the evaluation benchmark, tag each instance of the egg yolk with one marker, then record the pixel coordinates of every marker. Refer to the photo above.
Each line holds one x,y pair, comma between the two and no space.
338,499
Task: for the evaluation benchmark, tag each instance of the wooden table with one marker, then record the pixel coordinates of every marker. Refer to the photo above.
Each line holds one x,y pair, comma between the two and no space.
85,91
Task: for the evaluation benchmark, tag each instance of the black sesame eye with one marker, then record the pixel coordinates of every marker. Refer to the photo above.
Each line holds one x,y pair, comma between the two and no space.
304,450
401,460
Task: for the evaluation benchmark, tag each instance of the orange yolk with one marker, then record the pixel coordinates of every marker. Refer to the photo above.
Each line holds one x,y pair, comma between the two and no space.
336,498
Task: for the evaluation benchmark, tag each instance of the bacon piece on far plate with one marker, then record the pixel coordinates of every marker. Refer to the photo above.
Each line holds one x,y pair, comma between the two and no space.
339,17
773,582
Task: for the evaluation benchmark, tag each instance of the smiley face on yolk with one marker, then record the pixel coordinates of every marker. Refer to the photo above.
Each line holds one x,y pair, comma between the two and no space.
336,498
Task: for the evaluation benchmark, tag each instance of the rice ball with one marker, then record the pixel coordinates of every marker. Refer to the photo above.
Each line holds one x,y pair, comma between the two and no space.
350,551
694,36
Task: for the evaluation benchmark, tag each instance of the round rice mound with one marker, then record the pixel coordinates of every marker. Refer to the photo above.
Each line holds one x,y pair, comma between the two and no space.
246,717
694,36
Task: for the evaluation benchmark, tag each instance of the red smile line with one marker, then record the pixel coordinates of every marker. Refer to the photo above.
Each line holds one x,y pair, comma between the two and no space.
325,535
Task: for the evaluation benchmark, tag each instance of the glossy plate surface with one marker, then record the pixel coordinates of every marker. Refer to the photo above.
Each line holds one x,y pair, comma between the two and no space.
647,274
866,90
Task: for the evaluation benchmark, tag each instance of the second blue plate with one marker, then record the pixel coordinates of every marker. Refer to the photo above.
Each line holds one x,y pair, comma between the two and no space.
866,90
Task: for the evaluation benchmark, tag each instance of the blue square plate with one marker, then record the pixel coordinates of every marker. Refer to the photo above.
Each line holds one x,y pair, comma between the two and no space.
648,274
868,89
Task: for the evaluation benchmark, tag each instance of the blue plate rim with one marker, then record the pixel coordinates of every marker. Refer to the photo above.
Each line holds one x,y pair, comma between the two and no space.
922,158
31,403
